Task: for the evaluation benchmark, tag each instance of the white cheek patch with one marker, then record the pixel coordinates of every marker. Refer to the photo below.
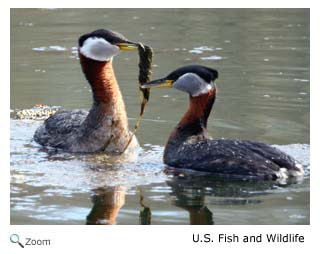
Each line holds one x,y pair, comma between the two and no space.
98,49
192,84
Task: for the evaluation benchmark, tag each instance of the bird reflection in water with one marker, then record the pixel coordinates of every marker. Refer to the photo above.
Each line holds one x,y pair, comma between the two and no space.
145,213
107,203
196,193
192,199
199,213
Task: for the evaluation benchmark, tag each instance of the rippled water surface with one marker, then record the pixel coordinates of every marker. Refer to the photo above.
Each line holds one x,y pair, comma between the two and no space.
263,61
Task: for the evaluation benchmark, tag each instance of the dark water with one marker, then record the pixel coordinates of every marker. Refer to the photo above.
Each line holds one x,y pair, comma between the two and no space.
263,61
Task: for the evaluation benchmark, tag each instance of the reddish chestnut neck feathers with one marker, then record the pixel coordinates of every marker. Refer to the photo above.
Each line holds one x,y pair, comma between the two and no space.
199,108
101,77
104,85
194,121
107,95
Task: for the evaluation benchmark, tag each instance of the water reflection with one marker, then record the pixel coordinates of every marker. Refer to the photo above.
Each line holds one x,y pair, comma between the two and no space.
198,193
191,199
106,205
107,202
145,213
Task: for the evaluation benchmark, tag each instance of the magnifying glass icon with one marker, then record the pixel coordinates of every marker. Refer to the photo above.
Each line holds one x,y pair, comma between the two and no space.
14,238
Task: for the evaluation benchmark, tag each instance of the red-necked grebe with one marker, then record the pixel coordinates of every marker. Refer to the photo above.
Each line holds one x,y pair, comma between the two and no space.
105,126
190,147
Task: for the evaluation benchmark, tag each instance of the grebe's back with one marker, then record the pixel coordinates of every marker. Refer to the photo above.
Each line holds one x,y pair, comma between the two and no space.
236,158
55,128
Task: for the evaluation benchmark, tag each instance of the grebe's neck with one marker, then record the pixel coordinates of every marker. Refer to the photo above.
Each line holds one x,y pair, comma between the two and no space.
101,77
194,121
107,120
106,92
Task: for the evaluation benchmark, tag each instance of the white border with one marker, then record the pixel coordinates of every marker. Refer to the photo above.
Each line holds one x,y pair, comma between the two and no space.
83,239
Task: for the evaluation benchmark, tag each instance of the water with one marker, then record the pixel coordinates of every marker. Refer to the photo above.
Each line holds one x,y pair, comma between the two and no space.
263,61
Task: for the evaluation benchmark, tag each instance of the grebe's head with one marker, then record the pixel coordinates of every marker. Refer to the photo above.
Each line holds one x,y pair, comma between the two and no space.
193,79
102,44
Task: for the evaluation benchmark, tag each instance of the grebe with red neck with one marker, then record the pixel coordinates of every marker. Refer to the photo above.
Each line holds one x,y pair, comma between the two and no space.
190,147
105,126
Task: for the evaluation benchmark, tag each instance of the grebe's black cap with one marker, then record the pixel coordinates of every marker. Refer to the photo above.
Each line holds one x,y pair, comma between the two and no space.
206,73
112,37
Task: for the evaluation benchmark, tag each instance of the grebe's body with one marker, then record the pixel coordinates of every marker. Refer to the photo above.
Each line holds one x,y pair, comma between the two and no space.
105,126
190,147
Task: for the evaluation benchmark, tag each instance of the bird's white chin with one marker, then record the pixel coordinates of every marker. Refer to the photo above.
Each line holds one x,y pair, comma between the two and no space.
98,49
